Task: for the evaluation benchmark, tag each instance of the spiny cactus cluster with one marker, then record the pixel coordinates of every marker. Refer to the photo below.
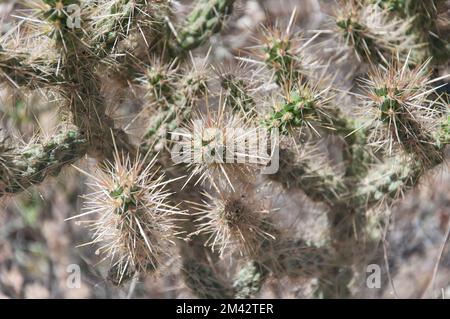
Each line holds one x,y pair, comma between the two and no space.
391,124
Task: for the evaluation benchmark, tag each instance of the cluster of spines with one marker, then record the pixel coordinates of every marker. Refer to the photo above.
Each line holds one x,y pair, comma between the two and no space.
134,222
303,105
77,82
401,101
429,25
372,32
233,222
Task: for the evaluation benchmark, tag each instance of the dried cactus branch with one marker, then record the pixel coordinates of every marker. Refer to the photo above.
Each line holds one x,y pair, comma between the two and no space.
15,69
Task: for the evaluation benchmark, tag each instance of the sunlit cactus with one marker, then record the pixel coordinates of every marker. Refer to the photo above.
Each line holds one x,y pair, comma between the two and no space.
134,223
176,140
233,222
371,32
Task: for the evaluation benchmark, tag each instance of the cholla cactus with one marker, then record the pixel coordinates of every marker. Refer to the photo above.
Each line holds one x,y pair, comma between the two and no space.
429,24
220,148
371,32
401,105
171,102
304,107
135,223
233,220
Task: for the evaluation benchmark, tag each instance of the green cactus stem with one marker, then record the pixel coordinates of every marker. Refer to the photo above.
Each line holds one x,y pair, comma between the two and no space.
22,167
206,19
